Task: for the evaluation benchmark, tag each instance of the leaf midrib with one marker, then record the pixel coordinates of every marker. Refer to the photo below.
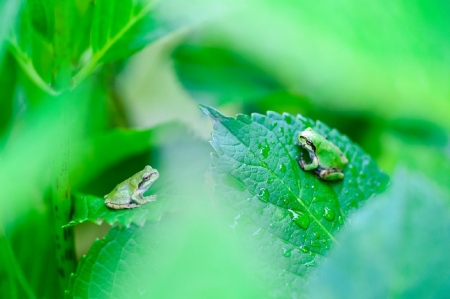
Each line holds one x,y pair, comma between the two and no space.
276,176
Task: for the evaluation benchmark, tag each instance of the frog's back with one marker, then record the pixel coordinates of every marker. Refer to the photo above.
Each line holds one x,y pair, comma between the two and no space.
331,156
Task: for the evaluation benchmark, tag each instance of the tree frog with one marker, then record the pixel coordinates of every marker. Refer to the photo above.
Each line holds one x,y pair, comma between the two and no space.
327,160
129,193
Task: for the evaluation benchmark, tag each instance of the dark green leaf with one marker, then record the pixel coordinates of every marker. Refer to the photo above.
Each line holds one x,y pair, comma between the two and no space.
292,213
212,72
396,247
97,154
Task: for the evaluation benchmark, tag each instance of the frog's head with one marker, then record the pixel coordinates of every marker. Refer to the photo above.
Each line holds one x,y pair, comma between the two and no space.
308,139
148,176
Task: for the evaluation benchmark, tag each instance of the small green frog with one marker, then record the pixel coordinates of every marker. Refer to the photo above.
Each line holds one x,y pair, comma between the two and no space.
129,193
327,160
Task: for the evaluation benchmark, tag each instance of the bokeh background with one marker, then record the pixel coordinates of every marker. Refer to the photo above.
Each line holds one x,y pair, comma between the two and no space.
379,72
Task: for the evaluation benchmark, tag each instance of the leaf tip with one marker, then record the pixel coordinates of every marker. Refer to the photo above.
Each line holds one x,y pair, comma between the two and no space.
211,112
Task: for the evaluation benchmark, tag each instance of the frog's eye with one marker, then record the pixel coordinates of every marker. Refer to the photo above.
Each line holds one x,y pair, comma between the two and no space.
146,177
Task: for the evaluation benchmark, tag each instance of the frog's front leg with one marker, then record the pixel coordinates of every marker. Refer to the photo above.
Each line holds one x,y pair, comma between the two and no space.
303,165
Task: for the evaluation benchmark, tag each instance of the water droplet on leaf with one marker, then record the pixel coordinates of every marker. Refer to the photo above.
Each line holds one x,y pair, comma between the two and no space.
264,151
286,252
302,220
263,194
328,214
304,249
282,168
315,243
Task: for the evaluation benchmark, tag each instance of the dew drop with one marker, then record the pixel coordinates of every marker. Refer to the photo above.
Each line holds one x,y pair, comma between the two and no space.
315,243
286,252
263,194
304,249
300,219
328,214
264,151
282,167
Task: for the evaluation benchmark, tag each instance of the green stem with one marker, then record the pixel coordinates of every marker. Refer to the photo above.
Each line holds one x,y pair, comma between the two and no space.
28,68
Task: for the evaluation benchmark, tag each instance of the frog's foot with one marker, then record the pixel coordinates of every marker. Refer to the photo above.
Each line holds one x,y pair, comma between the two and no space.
301,162
330,174
117,206
147,199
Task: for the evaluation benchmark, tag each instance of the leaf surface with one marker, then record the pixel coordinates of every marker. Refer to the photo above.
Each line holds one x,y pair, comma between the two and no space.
397,246
290,212
92,208
121,28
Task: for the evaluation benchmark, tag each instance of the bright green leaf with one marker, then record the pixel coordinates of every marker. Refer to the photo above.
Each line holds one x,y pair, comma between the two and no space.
185,255
93,209
294,215
396,247
123,27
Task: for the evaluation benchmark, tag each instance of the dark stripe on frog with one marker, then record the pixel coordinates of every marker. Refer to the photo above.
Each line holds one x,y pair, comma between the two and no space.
140,184
309,143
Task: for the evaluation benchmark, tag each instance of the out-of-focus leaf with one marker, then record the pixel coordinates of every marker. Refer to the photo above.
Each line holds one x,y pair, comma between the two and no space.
104,150
185,255
123,27
42,17
397,246
387,58
24,277
293,214
218,74
7,86
8,12
81,31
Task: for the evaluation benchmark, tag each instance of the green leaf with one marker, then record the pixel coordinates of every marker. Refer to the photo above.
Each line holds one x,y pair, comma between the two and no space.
212,72
114,255
347,55
185,255
92,208
291,213
94,156
396,247
123,27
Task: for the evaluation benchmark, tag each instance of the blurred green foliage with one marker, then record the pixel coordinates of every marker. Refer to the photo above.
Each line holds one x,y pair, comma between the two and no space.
97,89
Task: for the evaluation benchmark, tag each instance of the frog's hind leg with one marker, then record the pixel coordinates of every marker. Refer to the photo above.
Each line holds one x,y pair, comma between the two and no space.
145,199
330,174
